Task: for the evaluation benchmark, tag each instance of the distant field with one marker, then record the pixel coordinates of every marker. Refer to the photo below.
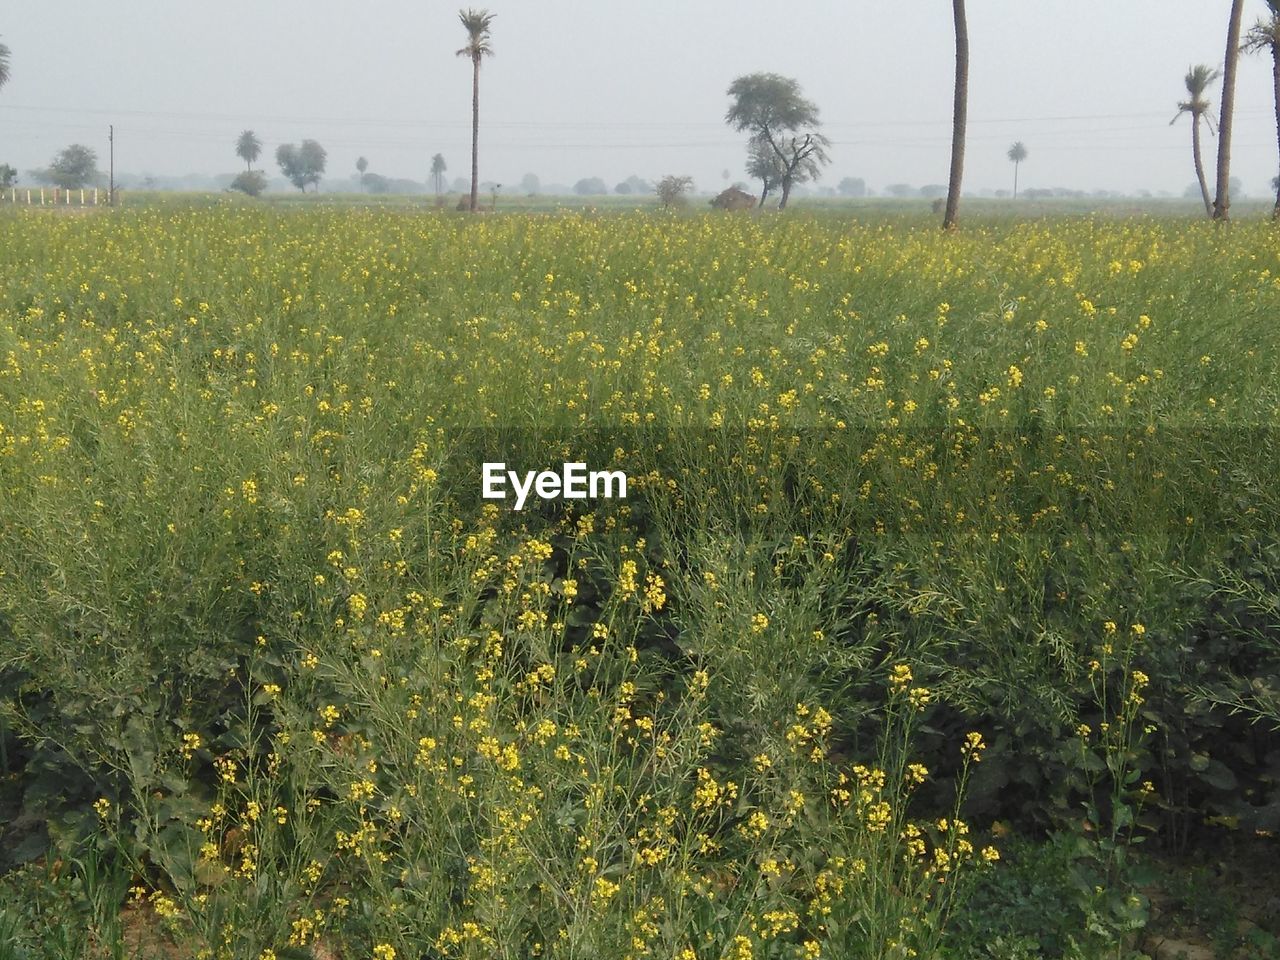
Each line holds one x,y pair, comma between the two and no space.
949,570
871,208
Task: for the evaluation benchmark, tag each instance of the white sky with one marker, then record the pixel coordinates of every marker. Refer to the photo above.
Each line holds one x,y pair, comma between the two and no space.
609,88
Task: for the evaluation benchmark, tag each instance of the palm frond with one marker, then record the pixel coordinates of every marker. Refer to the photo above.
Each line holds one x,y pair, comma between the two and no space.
477,24
1199,78
1263,36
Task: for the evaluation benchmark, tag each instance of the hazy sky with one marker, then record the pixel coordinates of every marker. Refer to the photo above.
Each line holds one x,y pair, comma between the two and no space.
609,89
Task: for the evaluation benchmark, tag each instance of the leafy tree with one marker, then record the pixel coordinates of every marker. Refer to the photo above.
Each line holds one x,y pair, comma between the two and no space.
852,187
4,64
1197,81
638,184
763,165
248,148
251,182
1017,153
476,23
623,189
778,117
361,166
302,164
74,167
671,190
959,115
530,184
8,176
589,186
376,183
1222,200
1264,37
438,167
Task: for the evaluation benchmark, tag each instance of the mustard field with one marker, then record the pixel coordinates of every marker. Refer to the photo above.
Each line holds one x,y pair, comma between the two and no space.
946,561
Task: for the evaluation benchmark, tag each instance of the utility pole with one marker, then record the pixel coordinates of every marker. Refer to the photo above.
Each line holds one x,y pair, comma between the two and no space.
111,139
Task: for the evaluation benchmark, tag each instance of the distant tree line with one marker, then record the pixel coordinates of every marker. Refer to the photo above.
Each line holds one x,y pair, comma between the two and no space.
785,146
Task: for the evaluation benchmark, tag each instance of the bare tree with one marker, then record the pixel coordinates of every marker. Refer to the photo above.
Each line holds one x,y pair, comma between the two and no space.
763,165
671,190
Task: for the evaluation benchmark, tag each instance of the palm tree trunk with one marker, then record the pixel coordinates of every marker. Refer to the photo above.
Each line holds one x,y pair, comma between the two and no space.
959,117
1275,73
1195,150
1222,204
475,131
1015,180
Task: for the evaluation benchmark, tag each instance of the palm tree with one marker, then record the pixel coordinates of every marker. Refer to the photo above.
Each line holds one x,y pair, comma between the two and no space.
361,166
959,115
1198,80
1265,35
248,148
477,24
1222,201
4,64
438,167
1017,153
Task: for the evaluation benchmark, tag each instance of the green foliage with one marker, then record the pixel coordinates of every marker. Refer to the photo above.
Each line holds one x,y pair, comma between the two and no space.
376,183
784,146
303,165
477,23
768,102
75,167
248,149
251,183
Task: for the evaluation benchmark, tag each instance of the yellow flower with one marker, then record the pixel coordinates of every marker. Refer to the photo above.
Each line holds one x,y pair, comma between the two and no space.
900,677
973,747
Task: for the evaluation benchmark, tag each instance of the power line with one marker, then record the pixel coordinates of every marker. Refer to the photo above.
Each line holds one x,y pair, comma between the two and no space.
584,124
